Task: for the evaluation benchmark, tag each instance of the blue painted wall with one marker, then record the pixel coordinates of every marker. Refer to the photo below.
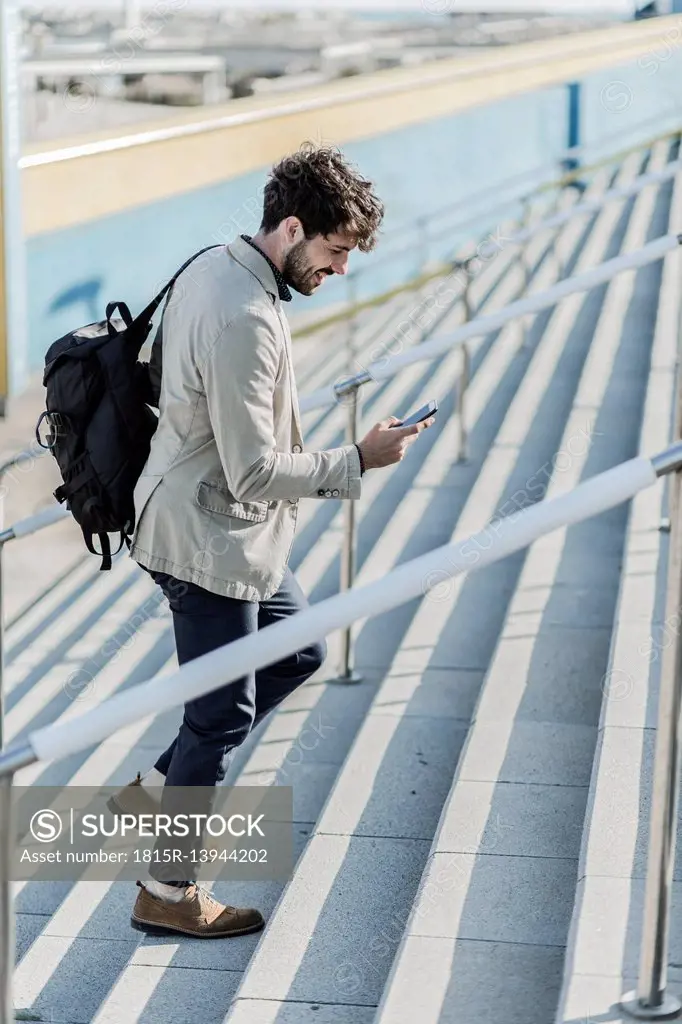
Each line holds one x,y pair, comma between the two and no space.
419,169
617,99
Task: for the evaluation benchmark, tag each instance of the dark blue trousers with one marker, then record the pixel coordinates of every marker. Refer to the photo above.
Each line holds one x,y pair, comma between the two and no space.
213,726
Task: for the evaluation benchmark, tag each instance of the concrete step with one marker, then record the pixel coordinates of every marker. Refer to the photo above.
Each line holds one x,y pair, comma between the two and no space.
494,902
306,742
602,955
68,634
387,505
60,925
337,925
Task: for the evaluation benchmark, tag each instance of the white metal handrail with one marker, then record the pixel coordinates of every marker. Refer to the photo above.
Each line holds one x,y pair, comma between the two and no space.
429,350
24,528
523,189
553,221
497,540
473,221
632,188
26,456
348,389
32,524
220,667
411,579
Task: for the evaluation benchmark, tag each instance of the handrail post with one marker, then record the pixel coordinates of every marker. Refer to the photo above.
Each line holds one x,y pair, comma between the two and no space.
4,467
560,267
651,1001
525,267
462,389
5,535
466,295
347,673
464,378
7,938
10,763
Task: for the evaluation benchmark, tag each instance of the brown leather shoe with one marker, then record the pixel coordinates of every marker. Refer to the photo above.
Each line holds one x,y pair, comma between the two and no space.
196,914
135,799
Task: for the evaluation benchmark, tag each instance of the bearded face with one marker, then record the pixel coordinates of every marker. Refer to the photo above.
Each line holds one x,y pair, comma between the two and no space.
309,262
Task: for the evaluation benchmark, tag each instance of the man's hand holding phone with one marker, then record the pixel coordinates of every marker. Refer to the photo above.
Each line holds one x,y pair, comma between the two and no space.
387,442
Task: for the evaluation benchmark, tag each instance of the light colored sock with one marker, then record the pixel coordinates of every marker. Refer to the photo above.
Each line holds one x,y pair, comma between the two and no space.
167,893
153,778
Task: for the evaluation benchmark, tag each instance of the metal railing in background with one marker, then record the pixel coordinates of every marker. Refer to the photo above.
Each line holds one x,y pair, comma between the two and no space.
651,1000
32,524
535,303
226,664
402,584
348,393
525,186
23,528
524,262
521,195
462,452
5,467
425,274
521,237
348,389
27,455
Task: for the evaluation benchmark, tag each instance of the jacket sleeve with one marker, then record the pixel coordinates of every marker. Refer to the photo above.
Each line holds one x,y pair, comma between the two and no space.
239,376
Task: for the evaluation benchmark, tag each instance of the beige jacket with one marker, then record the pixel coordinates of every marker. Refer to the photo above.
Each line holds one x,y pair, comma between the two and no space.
217,501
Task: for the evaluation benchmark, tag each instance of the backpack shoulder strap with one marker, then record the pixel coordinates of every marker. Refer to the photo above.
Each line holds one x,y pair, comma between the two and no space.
148,312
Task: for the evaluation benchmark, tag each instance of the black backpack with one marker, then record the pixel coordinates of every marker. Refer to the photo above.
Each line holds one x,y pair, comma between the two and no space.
99,419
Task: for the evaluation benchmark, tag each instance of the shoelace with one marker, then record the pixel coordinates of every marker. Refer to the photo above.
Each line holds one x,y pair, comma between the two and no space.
201,891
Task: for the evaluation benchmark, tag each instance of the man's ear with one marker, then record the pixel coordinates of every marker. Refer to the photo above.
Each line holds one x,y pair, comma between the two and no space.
293,230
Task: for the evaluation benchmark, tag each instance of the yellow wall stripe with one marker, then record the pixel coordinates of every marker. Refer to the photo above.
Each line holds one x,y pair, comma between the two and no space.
71,186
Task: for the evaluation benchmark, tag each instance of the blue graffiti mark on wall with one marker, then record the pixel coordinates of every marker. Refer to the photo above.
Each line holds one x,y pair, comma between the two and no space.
84,294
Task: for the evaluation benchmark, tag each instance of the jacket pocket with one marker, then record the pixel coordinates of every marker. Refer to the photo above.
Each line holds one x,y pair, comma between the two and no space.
214,499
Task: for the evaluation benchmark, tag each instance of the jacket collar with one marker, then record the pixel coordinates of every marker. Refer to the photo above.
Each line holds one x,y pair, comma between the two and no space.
257,265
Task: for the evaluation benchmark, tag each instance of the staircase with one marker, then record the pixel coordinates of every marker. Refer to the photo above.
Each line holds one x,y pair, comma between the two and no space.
439,805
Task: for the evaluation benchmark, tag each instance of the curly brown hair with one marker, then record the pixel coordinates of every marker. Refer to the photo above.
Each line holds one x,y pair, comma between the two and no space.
327,194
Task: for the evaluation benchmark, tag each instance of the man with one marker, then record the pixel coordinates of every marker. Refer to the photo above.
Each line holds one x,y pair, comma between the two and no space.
217,502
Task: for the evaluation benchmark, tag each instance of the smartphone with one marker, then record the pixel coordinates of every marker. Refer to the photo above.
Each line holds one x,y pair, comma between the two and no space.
425,413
